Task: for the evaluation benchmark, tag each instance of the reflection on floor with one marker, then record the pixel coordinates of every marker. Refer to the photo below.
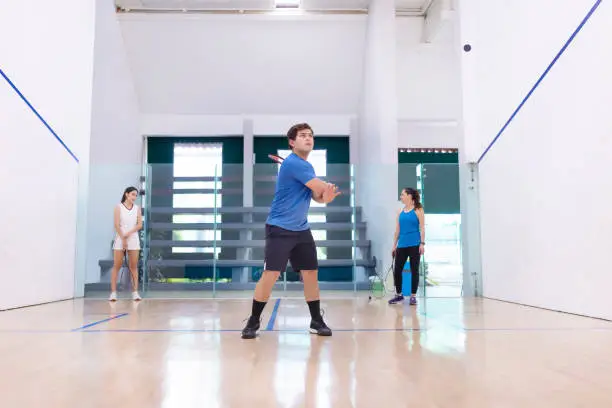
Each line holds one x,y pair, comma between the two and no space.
446,352
443,291
430,292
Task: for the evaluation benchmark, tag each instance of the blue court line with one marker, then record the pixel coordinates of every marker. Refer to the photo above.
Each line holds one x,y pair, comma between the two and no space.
38,114
554,61
273,316
304,331
100,321
162,331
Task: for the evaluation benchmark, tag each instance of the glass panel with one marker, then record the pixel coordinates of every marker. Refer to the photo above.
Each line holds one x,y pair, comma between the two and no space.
332,226
199,240
408,176
336,242
185,197
197,159
441,188
443,263
195,235
358,233
206,243
194,185
318,159
441,270
106,183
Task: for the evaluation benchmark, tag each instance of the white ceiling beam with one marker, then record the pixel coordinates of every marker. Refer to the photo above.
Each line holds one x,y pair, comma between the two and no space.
438,14
196,5
129,4
404,8
352,5
426,5
411,7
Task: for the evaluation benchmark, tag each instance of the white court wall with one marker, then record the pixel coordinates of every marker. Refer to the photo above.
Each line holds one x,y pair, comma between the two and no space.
428,79
428,133
191,85
199,75
545,185
245,64
376,172
47,52
210,125
428,84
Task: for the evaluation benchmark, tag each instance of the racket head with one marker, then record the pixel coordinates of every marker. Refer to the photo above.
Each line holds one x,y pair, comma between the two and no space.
275,158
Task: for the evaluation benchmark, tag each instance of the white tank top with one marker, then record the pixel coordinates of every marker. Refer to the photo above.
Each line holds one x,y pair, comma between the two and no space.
128,218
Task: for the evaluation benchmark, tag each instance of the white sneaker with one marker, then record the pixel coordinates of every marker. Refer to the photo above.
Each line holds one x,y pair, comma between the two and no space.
136,296
113,297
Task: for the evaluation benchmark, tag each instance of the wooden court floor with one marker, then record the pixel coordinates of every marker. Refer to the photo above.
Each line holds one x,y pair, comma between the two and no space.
447,352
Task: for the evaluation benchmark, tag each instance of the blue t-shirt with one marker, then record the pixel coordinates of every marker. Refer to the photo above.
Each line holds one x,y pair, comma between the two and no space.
291,202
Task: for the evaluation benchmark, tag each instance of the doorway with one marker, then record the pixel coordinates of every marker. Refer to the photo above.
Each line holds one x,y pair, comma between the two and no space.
435,174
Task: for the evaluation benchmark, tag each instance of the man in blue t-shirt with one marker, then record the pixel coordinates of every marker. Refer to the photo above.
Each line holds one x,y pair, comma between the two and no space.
288,235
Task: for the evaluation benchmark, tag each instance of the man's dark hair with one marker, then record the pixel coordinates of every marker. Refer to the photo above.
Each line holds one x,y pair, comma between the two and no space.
292,133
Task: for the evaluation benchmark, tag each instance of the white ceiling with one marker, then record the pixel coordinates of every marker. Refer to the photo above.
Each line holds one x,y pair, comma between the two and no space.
413,6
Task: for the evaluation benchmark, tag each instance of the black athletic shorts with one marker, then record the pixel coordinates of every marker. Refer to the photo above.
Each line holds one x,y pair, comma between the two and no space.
283,245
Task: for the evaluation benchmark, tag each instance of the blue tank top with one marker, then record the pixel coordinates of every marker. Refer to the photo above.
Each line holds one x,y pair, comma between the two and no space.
409,233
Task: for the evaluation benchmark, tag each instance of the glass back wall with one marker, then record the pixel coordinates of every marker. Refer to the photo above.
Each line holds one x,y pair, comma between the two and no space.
435,173
199,239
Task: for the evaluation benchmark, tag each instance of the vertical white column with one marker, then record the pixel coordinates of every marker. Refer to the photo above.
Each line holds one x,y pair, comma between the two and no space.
247,132
376,167
354,140
247,186
466,43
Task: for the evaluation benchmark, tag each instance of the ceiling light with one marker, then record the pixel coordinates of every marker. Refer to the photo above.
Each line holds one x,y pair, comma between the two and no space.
287,3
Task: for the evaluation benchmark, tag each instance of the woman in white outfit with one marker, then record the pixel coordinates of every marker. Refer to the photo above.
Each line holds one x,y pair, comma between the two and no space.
128,221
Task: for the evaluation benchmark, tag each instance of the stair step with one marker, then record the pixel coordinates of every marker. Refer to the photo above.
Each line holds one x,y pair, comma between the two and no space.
237,263
242,226
340,243
251,263
247,210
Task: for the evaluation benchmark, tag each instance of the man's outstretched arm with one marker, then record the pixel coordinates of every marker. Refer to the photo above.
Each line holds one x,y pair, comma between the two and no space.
322,192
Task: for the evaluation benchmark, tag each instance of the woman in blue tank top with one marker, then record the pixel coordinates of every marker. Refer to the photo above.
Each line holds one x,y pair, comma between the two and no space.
408,242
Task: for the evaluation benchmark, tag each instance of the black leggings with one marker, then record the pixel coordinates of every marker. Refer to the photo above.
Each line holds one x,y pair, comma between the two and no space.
401,256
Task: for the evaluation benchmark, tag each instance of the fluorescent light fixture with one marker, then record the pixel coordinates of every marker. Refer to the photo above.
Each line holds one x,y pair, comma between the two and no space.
287,3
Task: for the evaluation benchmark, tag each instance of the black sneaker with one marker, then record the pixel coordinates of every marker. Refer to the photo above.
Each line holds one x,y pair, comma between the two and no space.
251,329
318,327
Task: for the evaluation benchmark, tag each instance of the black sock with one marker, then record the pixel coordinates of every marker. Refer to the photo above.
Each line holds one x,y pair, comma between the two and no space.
315,309
258,307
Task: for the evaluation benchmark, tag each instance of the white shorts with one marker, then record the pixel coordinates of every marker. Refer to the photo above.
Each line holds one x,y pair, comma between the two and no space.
133,243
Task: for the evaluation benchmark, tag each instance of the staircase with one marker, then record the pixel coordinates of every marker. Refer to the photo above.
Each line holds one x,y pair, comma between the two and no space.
171,260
